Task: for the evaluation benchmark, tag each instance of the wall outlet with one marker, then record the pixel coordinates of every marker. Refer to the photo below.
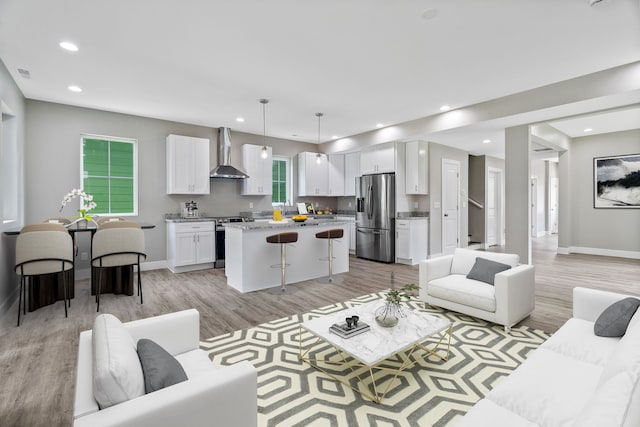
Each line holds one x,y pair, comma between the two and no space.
349,204
250,205
436,205
84,256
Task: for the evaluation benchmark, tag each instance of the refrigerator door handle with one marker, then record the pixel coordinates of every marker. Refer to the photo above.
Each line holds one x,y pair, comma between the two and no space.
360,230
370,201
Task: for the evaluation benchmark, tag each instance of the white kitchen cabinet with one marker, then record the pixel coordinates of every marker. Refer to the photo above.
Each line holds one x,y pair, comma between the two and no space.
417,167
350,231
259,170
190,245
379,158
313,174
336,175
351,172
411,240
187,165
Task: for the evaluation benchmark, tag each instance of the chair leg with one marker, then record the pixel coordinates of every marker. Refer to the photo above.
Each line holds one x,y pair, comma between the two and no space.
64,291
98,290
20,298
139,283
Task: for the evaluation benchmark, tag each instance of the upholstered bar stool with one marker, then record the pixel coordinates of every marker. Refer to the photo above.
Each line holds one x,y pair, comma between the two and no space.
335,233
283,239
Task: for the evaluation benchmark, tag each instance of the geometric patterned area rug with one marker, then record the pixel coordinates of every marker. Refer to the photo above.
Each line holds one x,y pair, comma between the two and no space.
431,393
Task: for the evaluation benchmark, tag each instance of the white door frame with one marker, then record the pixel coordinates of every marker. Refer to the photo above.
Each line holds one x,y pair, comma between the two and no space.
442,201
500,206
553,225
534,207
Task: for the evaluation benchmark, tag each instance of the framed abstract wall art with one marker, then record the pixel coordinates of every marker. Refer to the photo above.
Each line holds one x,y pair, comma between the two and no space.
616,182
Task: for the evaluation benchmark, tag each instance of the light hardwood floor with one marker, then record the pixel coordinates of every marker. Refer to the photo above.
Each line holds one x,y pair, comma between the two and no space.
37,360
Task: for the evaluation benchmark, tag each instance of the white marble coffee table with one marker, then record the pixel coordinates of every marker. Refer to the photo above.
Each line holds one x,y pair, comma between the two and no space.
370,349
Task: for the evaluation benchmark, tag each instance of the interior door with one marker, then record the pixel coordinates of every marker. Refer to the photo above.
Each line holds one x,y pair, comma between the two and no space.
553,206
493,208
450,203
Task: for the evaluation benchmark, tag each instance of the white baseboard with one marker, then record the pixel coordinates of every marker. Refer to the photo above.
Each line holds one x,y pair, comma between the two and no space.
599,251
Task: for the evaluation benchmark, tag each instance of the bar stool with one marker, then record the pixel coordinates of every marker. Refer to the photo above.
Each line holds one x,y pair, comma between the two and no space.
335,233
283,239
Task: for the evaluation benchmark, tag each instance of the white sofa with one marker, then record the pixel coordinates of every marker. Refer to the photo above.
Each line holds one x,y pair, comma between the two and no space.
443,283
210,396
575,379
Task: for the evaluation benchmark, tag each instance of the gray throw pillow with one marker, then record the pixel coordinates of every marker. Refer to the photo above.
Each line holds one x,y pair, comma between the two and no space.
485,270
613,321
160,369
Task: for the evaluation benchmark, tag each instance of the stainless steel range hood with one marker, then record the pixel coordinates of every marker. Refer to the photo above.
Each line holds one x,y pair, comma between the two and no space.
224,168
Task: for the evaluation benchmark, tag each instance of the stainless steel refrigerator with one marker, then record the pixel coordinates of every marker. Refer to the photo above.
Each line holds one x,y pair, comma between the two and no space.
375,217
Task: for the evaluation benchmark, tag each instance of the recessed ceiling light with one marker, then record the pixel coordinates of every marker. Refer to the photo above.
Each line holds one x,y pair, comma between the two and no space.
486,141
588,129
445,108
240,119
69,46
74,89
334,137
294,134
379,125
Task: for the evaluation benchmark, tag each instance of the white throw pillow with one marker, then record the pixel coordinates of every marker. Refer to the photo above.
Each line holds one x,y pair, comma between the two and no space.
117,373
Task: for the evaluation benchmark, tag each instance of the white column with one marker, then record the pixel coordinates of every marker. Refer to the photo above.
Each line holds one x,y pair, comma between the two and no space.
565,236
518,192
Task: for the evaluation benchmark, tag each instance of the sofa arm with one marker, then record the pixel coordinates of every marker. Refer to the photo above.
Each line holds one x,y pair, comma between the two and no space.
431,269
588,304
177,332
225,397
515,294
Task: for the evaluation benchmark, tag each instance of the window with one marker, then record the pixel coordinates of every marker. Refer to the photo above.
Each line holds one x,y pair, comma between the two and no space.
281,181
109,174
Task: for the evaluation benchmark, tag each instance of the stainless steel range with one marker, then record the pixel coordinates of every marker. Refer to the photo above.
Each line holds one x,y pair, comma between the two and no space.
220,222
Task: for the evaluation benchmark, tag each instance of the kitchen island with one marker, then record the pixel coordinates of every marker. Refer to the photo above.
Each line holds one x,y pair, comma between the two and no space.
252,264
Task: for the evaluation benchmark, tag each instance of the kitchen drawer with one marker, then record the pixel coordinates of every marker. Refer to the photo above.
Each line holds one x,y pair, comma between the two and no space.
402,225
194,227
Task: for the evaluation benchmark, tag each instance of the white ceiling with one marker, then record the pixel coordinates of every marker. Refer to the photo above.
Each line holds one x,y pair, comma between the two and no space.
605,122
360,62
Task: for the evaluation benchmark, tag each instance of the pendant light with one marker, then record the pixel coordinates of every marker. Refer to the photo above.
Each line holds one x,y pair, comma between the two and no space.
319,156
264,154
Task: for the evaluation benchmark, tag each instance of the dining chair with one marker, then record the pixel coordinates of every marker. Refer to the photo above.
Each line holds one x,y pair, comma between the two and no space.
117,247
42,249
118,224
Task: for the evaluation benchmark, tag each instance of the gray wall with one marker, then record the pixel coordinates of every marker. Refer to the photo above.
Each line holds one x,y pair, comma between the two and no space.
12,97
517,192
477,192
438,152
612,229
53,165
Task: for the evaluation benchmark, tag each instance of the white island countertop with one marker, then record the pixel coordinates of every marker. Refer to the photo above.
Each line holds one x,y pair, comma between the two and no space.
288,223
252,264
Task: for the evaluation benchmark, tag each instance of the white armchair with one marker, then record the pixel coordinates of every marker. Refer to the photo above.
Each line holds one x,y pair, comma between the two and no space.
443,283
210,396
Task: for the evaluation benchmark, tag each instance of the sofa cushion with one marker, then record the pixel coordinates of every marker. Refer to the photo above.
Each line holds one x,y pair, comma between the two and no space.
117,374
548,389
626,356
613,321
463,259
485,270
486,413
608,406
458,288
195,363
160,369
576,339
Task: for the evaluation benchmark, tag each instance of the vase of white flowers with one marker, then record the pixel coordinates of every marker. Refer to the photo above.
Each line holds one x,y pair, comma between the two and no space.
391,311
86,205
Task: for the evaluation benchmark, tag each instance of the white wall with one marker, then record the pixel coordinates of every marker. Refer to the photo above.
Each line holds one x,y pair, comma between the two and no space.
12,97
589,230
539,170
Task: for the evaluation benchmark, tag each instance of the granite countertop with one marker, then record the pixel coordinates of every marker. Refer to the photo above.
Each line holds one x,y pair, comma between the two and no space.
412,218
198,219
264,225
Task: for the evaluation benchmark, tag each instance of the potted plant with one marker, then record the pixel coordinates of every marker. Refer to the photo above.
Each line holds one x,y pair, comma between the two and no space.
85,206
389,314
